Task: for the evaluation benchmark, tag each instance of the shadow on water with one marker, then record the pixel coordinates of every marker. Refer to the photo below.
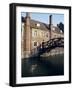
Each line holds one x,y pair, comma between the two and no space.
43,66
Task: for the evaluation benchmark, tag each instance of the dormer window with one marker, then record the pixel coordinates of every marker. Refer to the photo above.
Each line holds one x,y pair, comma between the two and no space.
60,31
38,25
53,29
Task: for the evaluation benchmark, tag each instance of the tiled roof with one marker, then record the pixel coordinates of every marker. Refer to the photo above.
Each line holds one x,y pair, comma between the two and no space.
33,24
43,26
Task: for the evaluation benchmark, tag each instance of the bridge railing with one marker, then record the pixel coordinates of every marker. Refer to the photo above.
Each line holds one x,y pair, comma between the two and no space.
55,42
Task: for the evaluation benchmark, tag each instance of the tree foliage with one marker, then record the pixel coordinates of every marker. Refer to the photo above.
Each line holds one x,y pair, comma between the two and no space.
61,26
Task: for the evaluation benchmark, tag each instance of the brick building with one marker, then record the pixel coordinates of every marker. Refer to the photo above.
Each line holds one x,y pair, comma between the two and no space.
35,32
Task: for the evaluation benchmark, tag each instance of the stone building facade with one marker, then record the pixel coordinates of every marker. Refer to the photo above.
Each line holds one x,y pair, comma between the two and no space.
34,33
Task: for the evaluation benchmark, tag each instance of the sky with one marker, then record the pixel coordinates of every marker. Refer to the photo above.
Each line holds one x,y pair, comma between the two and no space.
44,17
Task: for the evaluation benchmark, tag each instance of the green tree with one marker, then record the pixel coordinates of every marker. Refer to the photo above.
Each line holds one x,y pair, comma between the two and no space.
61,26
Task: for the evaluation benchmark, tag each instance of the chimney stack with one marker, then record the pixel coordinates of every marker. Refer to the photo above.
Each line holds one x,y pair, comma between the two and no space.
27,36
28,14
50,24
50,21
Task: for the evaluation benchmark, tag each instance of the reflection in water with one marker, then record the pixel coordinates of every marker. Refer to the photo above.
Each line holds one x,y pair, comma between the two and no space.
43,66
33,67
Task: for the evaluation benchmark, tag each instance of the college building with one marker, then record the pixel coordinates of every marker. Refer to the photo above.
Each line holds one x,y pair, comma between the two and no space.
33,33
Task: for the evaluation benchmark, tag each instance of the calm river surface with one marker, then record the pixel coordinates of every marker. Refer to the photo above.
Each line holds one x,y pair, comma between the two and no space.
43,66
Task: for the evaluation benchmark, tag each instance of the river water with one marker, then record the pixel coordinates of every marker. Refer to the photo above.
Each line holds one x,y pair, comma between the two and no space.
43,66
